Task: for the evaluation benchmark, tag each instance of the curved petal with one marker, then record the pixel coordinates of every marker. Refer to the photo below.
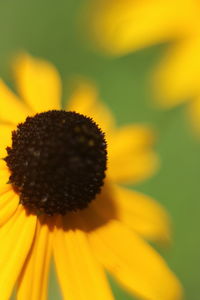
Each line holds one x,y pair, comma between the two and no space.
32,283
16,238
38,83
5,138
119,26
84,100
130,155
177,77
139,212
133,168
132,137
5,198
80,275
8,204
134,263
12,110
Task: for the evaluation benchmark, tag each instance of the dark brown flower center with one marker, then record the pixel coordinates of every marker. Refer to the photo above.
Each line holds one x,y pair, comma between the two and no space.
57,162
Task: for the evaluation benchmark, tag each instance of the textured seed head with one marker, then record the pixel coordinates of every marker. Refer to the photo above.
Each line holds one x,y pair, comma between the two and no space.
57,162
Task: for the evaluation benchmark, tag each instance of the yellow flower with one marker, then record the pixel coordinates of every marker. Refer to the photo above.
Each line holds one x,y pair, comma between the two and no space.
120,27
109,232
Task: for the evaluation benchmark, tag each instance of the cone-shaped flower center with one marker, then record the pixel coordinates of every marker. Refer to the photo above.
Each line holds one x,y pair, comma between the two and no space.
57,162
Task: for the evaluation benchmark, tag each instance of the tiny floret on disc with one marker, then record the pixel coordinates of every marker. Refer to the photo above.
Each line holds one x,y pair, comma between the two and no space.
57,162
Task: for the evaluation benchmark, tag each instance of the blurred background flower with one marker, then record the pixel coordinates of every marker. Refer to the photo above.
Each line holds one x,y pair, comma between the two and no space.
52,30
120,27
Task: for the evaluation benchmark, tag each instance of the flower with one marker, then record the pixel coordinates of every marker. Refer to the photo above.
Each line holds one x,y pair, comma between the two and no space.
110,232
120,27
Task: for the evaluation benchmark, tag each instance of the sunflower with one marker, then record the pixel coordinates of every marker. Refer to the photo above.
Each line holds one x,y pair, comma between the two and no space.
52,166
120,27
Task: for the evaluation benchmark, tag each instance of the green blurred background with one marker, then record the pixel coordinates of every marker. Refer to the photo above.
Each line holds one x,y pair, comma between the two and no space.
49,29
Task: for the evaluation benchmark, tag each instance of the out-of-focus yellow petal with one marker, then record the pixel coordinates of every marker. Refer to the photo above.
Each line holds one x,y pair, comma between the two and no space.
32,283
130,155
131,158
131,138
38,83
194,114
80,275
134,263
134,169
12,110
139,212
5,138
8,204
4,178
177,77
16,240
121,26
84,100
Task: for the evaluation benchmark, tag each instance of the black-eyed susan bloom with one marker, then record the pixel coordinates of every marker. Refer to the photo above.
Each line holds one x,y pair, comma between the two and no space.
59,195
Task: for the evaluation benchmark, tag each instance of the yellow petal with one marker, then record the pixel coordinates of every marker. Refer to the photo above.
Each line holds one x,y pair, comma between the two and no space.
130,138
8,204
139,212
5,198
120,26
3,165
177,77
194,114
32,283
134,263
4,178
133,168
84,100
135,137
16,241
130,155
5,138
80,275
12,110
38,83
7,227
